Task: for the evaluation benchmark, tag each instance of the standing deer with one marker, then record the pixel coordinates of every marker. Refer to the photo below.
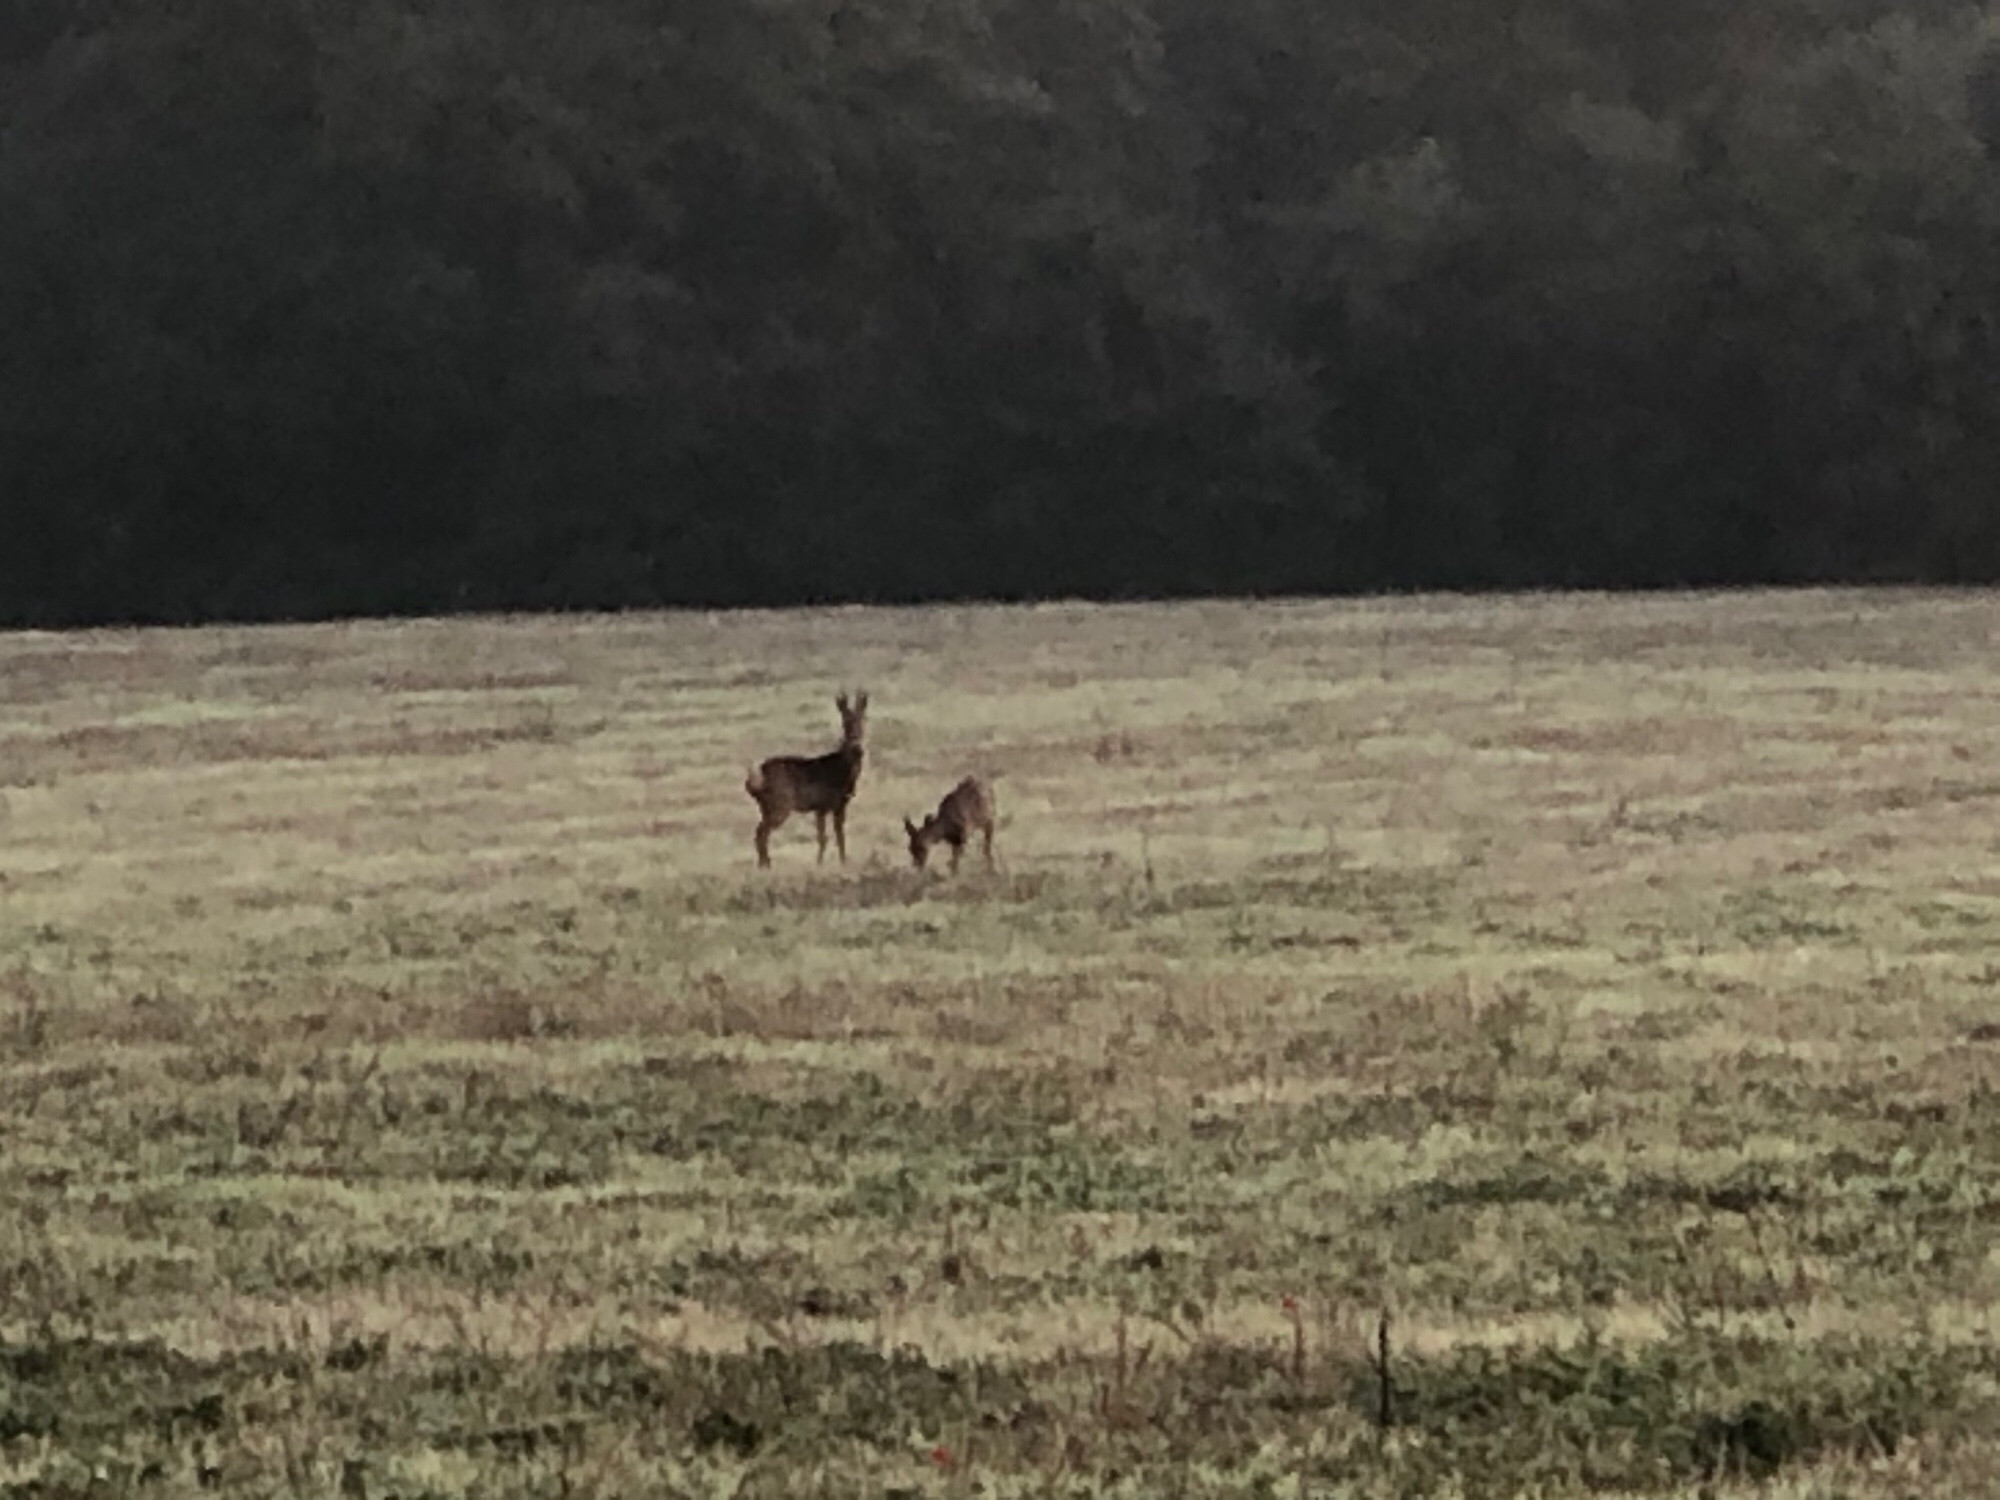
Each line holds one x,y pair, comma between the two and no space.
818,784
967,809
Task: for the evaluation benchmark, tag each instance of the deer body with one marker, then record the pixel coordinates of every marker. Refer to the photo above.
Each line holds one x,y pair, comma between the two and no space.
967,809
822,785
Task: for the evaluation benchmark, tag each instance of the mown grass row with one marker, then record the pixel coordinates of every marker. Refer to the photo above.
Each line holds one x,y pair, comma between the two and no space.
1479,1421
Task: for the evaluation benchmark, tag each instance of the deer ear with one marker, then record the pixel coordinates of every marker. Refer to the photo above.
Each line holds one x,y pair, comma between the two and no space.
909,827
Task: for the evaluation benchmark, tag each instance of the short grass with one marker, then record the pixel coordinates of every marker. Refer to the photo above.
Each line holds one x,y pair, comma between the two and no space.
409,1086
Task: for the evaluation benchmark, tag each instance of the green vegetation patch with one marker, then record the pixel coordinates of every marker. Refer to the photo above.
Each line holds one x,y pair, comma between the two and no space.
1599,1418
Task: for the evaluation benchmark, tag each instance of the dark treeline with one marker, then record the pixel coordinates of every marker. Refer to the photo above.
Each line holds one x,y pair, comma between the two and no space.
328,306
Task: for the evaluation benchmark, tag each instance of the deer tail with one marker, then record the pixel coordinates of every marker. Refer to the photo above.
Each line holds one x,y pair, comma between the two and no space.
754,782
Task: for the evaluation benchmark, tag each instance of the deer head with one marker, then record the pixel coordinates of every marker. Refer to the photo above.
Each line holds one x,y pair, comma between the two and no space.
853,717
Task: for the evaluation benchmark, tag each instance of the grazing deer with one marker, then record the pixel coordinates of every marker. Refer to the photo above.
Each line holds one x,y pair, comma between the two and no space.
819,784
967,809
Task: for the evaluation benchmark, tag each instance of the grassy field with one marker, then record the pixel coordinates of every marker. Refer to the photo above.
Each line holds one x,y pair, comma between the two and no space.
409,1086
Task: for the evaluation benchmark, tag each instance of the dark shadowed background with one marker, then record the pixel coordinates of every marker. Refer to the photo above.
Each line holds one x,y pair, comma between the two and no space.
317,307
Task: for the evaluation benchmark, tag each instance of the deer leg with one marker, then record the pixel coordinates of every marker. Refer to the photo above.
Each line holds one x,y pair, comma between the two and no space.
819,824
988,834
768,820
957,848
840,831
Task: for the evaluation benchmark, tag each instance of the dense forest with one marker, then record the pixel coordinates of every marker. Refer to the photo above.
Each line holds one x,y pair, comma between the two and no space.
316,307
